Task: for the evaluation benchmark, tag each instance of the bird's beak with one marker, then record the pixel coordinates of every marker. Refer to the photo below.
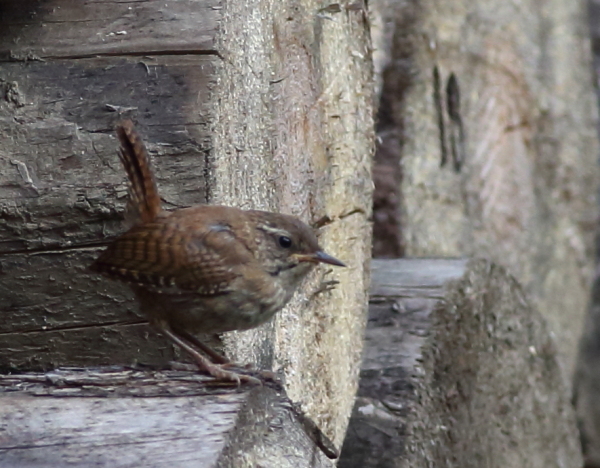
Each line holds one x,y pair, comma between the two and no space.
319,257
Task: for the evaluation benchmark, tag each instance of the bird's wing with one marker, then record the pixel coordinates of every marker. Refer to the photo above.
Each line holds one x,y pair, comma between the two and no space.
160,256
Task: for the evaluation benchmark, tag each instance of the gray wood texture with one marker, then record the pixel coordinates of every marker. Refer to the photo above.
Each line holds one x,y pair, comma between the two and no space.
256,104
459,371
506,87
131,418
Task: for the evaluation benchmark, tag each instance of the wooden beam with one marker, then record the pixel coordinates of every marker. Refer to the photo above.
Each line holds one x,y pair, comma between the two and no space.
124,418
458,370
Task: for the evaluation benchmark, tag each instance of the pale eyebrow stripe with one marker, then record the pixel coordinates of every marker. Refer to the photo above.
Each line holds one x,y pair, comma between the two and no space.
272,230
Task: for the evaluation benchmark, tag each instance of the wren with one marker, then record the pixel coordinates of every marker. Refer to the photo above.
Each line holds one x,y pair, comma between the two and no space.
205,269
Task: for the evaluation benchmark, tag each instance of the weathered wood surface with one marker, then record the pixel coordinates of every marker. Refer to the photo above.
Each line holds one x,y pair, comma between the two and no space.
459,371
504,89
74,29
314,103
130,418
256,104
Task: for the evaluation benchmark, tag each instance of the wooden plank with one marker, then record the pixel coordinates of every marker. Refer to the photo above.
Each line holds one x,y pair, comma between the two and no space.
128,418
456,371
61,183
88,427
413,277
103,344
76,29
27,280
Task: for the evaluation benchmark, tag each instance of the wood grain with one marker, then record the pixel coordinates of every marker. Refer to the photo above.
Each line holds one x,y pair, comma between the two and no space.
129,417
74,29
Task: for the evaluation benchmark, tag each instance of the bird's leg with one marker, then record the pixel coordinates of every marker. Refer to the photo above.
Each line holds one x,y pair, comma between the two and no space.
204,364
216,357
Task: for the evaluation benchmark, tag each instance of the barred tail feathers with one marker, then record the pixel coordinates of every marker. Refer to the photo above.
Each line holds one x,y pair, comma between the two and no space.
144,201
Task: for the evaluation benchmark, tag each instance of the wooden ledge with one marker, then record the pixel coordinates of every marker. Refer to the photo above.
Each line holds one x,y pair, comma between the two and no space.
129,418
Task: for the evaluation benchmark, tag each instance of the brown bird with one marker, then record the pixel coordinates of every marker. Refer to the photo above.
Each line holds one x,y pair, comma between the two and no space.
205,269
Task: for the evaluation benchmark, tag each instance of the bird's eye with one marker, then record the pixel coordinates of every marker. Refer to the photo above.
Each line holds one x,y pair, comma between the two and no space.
285,242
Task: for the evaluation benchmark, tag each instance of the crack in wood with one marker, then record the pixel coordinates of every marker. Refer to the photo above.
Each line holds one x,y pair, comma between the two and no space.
119,53
46,329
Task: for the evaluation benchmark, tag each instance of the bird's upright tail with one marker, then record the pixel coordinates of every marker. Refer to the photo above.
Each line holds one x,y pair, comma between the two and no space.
144,202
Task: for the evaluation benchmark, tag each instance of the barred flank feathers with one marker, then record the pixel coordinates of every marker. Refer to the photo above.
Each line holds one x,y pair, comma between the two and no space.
143,194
